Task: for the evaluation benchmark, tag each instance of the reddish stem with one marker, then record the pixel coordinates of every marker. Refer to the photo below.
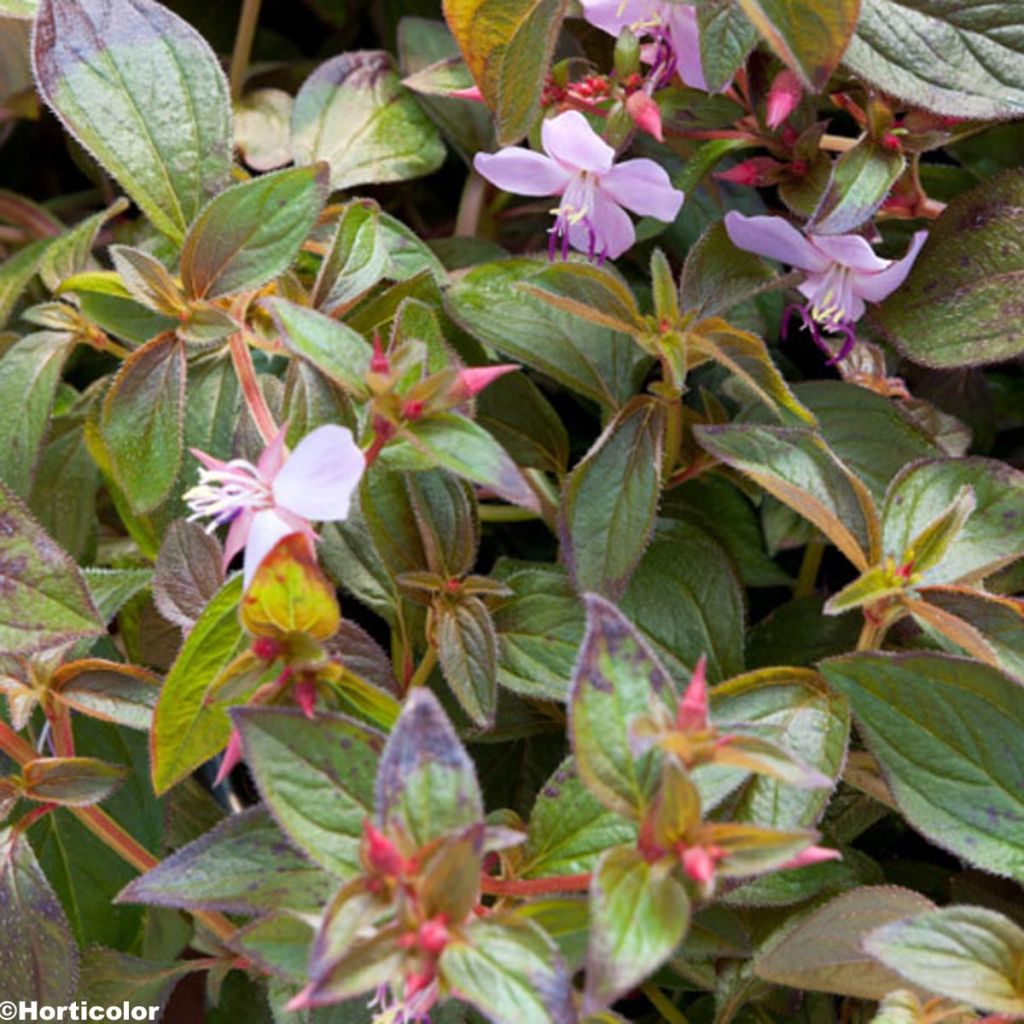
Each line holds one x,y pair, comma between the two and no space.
251,390
534,886
59,717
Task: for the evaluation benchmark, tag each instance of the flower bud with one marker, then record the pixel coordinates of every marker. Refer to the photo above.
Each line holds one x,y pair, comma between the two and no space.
472,93
692,713
379,853
646,114
379,362
232,756
474,379
758,171
699,863
627,54
783,98
305,696
433,935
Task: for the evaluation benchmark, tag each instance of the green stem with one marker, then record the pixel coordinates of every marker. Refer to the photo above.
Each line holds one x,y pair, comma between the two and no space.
471,205
506,514
243,46
423,669
809,568
661,1002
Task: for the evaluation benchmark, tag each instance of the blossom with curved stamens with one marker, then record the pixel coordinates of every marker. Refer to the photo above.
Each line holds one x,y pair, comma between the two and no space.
672,26
280,494
842,273
580,167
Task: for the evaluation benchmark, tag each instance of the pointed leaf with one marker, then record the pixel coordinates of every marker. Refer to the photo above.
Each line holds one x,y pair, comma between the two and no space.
617,680
355,114
426,783
251,233
316,778
44,600
186,730
956,786
71,781
356,260
969,954
639,913
142,421
141,90
467,650
610,500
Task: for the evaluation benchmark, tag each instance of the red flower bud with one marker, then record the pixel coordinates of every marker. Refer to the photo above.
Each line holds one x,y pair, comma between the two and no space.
783,98
692,712
699,863
646,114
472,93
380,854
892,142
266,648
412,410
433,935
756,172
473,380
232,756
379,362
305,696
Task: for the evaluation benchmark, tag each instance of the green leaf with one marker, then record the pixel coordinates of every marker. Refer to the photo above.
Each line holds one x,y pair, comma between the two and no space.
459,444
611,498
250,233
990,538
861,180
71,781
539,626
507,47
962,59
798,468
333,348
30,372
746,356
957,786
241,866
998,621
356,260
716,275
597,362
793,709
71,252
687,601
142,421
810,37
111,589
38,957
970,954
873,585
823,952
44,600
954,309
111,978
15,275
355,114
109,691
433,68
569,828
509,969
467,650
187,574
726,39
186,729
426,783
316,778
639,913
18,8
617,679
142,91
592,293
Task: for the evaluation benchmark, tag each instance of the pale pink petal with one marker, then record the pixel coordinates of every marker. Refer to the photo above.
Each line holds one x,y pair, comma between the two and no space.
681,21
267,529
612,16
238,535
612,228
851,251
643,187
833,289
273,455
208,461
519,170
319,478
775,238
875,287
569,139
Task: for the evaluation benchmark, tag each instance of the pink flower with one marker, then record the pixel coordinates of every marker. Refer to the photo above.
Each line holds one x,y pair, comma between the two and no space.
672,26
842,272
579,167
281,494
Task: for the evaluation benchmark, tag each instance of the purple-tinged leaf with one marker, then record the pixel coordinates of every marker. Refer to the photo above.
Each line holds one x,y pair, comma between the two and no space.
426,783
144,93
467,649
71,781
188,573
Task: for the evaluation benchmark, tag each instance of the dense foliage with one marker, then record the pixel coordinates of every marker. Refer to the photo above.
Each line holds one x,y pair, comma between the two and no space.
510,512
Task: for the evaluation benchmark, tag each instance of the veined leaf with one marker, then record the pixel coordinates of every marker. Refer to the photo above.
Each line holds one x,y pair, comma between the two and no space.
141,90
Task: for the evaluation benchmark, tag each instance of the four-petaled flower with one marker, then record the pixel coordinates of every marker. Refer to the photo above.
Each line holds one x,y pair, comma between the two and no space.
672,26
280,494
842,272
580,167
